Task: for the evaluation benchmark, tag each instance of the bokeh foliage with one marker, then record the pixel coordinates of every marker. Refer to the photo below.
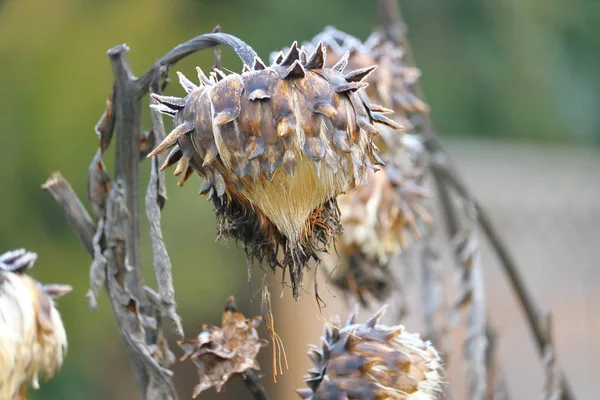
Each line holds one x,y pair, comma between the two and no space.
517,69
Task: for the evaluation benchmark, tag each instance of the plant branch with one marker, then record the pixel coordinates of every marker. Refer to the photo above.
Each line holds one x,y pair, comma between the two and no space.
394,29
75,213
252,382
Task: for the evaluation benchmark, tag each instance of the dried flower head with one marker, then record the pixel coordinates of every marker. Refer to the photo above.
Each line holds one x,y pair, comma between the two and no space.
220,353
275,146
372,361
33,340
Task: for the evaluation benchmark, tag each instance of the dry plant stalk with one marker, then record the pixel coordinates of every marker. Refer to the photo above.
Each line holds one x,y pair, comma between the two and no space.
33,341
449,183
372,361
221,353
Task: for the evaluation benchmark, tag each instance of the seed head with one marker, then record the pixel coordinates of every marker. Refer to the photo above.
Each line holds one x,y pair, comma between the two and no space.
372,361
33,340
220,353
275,146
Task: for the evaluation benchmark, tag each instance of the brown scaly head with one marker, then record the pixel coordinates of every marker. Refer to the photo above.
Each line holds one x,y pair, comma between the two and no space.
372,362
275,146
32,336
220,353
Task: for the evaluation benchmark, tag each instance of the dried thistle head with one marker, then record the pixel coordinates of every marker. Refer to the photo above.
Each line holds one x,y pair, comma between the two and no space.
33,340
372,361
275,146
220,353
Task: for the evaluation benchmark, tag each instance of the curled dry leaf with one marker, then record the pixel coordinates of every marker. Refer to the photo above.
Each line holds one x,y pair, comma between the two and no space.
372,361
275,146
33,340
220,353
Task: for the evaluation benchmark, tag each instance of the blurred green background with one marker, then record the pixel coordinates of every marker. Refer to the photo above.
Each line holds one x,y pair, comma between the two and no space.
526,70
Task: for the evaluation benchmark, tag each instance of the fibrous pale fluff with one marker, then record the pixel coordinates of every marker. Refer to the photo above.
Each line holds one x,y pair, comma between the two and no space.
275,146
372,362
33,340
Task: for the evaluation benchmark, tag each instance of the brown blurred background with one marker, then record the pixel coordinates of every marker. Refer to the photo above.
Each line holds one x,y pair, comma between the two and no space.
514,88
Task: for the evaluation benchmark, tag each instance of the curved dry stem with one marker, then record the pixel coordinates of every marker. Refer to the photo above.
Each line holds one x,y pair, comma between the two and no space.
206,41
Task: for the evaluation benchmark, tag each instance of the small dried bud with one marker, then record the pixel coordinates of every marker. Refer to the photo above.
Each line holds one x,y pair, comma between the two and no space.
374,362
275,146
220,353
33,340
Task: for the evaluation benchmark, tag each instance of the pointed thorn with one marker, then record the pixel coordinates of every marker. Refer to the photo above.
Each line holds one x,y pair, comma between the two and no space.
258,64
382,119
380,109
202,77
173,157
292,55
340,65
279,58
211,155
161,108
218,74
182,165
176,103
374,320
296,70
317,58
171,138
302,56
360,74
184,178
350,86
188,85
